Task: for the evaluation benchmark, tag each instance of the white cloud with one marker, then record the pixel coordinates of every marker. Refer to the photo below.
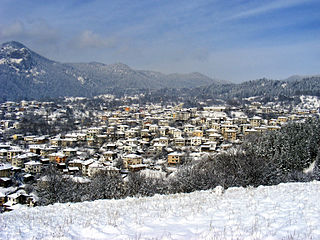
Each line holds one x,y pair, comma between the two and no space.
270,6
38,31
89,39
13,30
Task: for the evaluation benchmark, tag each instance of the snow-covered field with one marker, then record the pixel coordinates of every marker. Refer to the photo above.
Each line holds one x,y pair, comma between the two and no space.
287,211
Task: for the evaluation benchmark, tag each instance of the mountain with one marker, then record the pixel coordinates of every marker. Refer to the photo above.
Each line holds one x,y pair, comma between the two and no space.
25,74
120,75
299,77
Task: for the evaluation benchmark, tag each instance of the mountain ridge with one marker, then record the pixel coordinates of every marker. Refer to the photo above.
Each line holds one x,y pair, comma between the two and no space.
25,74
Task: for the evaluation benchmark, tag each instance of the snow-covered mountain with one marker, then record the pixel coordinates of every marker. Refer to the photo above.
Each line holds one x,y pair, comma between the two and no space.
287,211
120,75
26,74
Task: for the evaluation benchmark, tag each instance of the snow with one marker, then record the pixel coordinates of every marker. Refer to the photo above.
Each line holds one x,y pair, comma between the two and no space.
11,60
16,60
238,114
309,102
81,79
286,211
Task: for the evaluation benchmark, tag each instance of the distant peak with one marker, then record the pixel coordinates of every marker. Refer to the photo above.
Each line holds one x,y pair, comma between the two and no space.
13,44
120,65
96,63
197,74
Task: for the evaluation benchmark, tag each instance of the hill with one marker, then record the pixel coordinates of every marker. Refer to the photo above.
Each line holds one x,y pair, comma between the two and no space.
266,88
286,211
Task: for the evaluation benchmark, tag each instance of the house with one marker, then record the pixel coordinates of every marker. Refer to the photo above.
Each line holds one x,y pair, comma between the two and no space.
179,142
230,135
55,142
144,132
197,133
3,154
69,152
93,131
60,157
214,137
164,141
131,159
215,109
101,138
33,167
163,131
111,146
68,142
188,129
159,147
261,129
255,121
177,133
273,128
2,199
46,151
174,158
225,146
208,147
17,137
29,139
195,141
72,170
250,131
12,153
76,163
5,169
36,148
130,133
95,168
20,160
40,140
282,119
137,167
85,166
5,182
244,127
153,128
216,126
109,155
32,200
130,148
19,197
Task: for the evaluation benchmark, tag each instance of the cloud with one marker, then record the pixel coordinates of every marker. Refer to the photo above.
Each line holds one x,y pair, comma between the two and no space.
270,6
89,39
14,30
38,31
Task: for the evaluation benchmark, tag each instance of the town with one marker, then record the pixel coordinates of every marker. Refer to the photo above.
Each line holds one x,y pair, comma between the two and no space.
81,139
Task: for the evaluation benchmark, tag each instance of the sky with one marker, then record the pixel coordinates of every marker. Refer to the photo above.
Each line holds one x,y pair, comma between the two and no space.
234,40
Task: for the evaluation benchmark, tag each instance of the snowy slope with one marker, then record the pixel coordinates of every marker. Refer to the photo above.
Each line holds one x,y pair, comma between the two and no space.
287,211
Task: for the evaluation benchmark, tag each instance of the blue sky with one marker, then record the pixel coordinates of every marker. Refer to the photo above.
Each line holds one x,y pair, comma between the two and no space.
235,40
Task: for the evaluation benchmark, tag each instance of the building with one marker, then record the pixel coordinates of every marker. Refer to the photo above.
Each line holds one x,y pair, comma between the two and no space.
33,167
